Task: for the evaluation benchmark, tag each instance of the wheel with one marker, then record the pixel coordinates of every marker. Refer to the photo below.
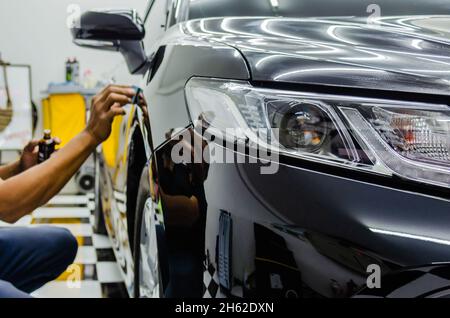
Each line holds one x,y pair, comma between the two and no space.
99,220
149,269
148,278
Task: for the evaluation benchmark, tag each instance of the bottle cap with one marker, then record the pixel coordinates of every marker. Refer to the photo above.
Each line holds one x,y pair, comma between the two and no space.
47,134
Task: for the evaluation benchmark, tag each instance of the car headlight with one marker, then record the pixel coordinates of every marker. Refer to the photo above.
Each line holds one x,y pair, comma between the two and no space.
410,140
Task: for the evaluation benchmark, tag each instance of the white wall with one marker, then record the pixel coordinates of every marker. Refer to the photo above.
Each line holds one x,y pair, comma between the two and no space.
35,32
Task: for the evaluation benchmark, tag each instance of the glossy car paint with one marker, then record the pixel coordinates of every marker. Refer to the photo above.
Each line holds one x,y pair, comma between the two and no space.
307,230
401,55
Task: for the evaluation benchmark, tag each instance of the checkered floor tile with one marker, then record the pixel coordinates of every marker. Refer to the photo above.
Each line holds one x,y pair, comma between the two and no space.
95,273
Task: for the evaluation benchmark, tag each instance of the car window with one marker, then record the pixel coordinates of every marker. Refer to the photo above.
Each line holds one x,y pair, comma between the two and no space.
178,11
150,4
155,21
315,8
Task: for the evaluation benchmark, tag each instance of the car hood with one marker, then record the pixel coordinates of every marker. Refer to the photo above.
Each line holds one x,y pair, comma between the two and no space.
403,54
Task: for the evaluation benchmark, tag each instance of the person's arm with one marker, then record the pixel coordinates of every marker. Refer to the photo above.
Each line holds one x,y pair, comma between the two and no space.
10,170
23,193
28,159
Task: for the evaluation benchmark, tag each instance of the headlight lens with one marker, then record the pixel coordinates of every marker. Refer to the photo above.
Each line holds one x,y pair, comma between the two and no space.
410,140
416,135
301,126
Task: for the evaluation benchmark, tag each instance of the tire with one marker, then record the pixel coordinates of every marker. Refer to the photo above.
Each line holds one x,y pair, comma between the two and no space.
147,269
99,219
137,160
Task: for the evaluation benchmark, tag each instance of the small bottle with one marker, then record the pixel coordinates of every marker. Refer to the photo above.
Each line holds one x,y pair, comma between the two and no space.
46,147
89,81
69,70
75,71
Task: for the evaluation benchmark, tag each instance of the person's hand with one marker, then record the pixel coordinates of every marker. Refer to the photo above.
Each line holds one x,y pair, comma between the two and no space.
142,103
105,106
29,157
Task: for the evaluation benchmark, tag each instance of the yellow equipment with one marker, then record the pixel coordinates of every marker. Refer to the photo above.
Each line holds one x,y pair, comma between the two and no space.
64,115
111,145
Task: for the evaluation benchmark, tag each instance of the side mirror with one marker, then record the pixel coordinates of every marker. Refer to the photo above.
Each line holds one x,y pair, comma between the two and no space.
113,30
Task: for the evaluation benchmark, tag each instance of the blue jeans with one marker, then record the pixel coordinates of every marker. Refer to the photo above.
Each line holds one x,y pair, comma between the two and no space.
31,257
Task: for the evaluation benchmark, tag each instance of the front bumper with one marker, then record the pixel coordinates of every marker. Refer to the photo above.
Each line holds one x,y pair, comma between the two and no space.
300,230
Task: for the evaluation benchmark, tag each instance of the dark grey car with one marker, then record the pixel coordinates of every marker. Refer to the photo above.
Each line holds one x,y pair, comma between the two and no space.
289,149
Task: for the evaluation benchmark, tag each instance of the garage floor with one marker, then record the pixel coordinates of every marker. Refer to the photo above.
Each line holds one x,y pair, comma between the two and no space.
95,263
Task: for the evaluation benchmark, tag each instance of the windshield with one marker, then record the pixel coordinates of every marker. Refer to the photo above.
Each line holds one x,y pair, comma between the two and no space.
316,8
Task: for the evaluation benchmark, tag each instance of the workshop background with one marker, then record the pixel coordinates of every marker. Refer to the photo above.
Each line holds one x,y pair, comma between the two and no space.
35,33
